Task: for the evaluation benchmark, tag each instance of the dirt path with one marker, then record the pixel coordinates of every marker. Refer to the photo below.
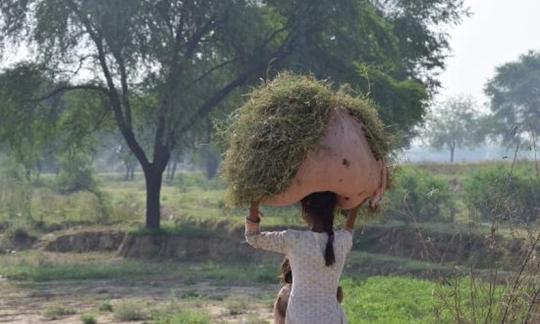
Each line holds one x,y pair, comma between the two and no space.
23,302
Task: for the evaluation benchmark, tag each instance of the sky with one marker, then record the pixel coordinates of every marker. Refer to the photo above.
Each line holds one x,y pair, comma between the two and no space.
497,32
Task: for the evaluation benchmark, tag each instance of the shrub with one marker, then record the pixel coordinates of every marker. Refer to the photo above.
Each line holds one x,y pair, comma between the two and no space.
495,192
420,196
56,311
88,319
106,306
76,173
131,311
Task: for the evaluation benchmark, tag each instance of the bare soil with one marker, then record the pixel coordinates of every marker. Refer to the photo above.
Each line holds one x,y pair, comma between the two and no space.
26,302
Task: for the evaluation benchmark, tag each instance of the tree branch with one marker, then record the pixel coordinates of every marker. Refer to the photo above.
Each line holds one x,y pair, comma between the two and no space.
116,103
67,88
214,68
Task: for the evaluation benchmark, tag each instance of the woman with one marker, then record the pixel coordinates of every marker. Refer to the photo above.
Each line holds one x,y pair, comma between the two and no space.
316,258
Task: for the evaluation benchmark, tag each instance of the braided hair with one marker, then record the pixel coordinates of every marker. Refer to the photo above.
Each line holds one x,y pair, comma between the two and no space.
320,206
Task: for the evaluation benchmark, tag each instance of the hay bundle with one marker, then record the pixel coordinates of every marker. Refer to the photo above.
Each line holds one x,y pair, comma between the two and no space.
270,137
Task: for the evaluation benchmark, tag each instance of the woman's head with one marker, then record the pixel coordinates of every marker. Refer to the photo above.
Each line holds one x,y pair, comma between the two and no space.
318,210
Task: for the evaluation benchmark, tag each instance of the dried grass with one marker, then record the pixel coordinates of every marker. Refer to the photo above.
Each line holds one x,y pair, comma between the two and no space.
268,138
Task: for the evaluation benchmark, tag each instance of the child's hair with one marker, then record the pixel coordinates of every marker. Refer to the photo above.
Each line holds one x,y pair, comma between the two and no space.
320,206
285,272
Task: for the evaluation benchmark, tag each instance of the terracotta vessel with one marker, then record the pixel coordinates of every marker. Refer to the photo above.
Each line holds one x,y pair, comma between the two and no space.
342,162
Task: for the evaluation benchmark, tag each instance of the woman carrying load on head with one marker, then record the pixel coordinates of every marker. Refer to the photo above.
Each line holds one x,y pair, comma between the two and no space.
316,257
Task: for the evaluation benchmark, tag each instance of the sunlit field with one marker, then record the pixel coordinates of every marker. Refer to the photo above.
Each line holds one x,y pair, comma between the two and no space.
50,256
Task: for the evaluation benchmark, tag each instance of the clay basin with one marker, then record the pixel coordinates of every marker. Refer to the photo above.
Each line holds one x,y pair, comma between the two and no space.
342,163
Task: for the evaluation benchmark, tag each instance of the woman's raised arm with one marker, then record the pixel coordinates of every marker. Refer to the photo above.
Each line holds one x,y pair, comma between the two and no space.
351,218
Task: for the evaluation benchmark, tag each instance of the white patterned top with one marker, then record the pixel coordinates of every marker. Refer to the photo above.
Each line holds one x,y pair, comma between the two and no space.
313,295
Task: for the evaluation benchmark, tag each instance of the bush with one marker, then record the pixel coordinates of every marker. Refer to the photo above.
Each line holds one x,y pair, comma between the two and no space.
417,195
56,311
88,319
495,192
106,306
131,311
76,173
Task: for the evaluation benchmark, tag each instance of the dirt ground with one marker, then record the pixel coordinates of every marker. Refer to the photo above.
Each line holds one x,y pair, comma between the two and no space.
25,302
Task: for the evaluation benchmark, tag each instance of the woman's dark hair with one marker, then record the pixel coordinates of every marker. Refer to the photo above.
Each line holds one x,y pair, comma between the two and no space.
320,207
286,272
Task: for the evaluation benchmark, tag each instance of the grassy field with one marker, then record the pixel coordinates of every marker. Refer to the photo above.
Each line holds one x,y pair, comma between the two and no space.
39,285
177,292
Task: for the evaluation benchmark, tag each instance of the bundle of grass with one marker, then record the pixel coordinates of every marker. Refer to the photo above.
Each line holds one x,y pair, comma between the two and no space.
269,137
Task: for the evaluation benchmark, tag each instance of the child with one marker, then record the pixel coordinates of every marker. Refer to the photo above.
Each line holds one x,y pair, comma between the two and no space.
280,305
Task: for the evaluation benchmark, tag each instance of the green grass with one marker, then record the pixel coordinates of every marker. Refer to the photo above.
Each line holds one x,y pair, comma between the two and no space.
396,300
88,319
388,300
57,311
184,317
42,266
131,311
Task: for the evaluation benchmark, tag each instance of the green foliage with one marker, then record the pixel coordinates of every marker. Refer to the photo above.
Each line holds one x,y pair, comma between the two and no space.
495,193
460,300
131,311
57,311
368,301
39,266
452,124
280,123
34,266
106,306
513,93
416,195
88,319
184,317
76,173
15,192
217,49
400,103
190,180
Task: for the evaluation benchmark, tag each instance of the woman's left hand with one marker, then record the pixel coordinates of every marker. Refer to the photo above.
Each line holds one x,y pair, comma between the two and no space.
254,212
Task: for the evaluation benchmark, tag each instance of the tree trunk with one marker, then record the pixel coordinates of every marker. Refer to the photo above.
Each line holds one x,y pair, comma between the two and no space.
153,177
452,149
132,172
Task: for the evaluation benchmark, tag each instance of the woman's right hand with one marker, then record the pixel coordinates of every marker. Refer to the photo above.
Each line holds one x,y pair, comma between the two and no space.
351,218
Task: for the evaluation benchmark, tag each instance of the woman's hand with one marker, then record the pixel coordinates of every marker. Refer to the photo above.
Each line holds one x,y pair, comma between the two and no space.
254,212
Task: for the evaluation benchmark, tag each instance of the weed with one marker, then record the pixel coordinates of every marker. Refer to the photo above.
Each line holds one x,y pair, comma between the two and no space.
184,317
56,311
106,306
236,305
131,311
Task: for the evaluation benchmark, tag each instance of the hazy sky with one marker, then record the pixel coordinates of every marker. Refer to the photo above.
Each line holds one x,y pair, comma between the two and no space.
497,32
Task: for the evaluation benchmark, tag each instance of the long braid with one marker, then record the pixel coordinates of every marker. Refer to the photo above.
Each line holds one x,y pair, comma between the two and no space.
329,256
320,206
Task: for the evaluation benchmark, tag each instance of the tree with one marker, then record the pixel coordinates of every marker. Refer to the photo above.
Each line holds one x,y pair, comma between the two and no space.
189,56
452,124
514,94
